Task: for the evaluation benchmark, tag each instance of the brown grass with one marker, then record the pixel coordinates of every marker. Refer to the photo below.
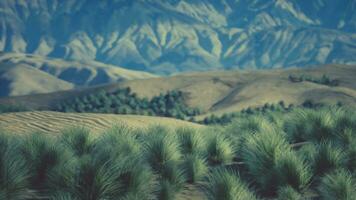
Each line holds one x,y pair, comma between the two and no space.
227,91
54,122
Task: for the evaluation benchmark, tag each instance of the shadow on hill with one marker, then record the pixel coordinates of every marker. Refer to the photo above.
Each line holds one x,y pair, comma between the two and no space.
4,87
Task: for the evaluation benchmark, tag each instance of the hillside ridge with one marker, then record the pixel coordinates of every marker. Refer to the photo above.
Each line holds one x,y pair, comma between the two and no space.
166,37
225,91
22,74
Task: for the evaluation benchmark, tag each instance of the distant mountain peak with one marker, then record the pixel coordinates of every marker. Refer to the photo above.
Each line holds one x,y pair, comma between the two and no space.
170,36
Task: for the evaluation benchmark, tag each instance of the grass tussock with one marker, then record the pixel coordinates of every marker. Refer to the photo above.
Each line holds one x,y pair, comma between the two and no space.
224,184
220,150
14,174
195,168
191,141
301,154
338,185
260,154
328,158
292,171
289,193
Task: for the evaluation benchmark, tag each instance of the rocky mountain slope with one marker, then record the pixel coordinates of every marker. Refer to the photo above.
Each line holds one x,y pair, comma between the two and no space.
169,36
22,74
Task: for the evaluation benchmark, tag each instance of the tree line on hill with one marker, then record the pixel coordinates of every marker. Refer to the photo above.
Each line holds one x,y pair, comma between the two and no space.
172,104
12,108
123,101
323,80
280,107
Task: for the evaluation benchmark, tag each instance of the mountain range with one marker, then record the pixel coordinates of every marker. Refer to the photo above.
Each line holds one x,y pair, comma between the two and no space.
170,36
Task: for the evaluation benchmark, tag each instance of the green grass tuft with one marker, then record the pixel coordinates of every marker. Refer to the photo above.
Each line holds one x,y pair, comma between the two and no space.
14,173
292,171
288,193
161,148
328,158
317,126
78,140
42,155
220,150
224,184
338,185
260,153
195,168
190,141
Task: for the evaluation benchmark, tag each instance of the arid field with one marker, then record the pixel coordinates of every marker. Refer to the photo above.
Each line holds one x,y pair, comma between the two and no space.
54,122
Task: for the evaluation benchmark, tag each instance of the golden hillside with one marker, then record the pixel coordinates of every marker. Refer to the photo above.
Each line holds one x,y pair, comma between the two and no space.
54,122
23,74
227,91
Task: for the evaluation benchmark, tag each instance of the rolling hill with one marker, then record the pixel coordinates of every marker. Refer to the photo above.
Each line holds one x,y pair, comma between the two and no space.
172,36
225,91
22,74
13,78
54,122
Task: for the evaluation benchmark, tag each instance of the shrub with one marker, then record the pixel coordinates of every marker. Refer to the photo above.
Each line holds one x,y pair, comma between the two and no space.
193,149
323,80
249,125
172,181
327,158
42,155
303,125
307,152
161,148
96,180
245,114
259,153
292,171
143,184
320,126
345,125
62,196
155,163
338,185
194,167
12,108
163,155
135,181
191,141
117,142
101,176
219,149
289,193
224,184
351,157
77,140
14,173
123,101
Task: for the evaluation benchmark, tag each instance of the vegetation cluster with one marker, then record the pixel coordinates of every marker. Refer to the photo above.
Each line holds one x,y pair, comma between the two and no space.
302,154
323,80
227,118
266,109
123,101
12,108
